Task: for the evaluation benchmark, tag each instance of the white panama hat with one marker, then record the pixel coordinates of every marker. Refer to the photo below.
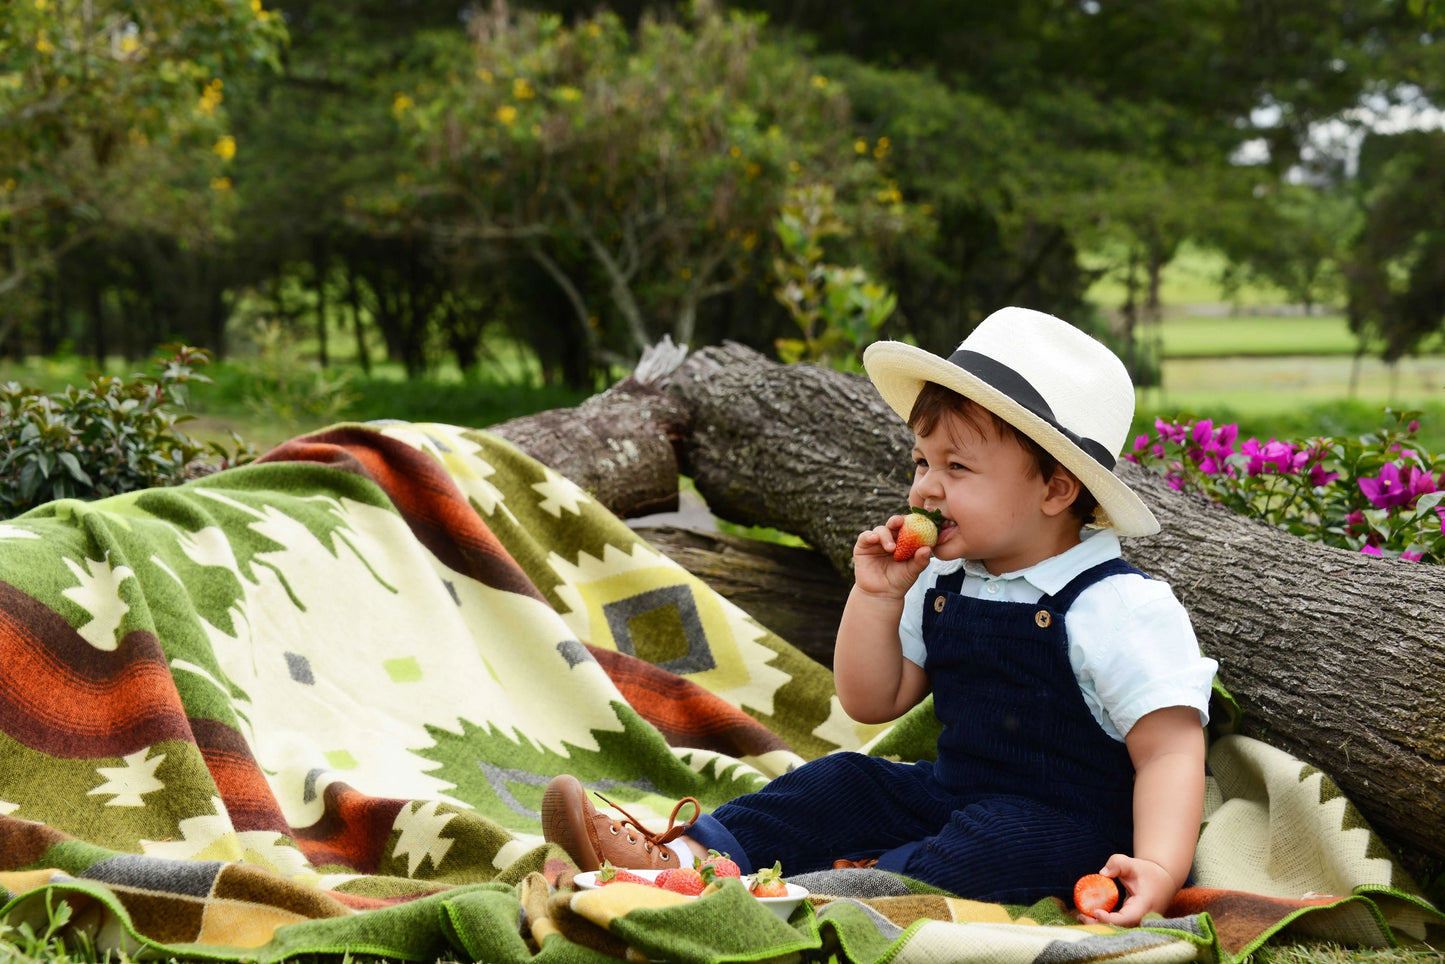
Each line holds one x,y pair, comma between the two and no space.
1046,378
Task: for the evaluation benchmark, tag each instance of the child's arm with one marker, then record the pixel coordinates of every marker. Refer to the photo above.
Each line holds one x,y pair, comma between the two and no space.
1167,747
875,683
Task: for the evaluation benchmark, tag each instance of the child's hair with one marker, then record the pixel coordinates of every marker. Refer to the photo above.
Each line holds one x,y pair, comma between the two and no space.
935,400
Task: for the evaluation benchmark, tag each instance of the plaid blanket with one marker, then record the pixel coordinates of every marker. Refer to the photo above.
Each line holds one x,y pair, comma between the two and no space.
310,705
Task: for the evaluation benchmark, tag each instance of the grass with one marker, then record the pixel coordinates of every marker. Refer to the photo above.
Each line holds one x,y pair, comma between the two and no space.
1213,335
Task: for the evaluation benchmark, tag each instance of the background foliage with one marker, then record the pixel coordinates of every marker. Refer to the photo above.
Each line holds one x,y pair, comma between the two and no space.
418,183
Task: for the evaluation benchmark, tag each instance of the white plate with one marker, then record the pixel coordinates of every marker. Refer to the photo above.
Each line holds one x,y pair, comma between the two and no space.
782,906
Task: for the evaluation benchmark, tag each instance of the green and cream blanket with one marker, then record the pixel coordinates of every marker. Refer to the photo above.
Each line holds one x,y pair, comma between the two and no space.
309,705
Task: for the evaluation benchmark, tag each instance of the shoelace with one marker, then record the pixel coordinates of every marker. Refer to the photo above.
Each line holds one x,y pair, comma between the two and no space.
650,839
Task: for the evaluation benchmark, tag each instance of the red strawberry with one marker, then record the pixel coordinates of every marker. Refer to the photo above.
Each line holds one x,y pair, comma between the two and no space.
920,528
682,880
617,875
722,865
1096,893
769,882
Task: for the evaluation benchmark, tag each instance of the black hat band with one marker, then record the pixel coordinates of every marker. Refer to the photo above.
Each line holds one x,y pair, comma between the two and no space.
999,376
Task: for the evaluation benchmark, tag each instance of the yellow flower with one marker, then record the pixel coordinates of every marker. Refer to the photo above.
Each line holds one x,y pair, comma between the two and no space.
484,75
754,169
819,81
794,166
221,184
225,147
686,273
522,90
401,103
860,146
211,97
569,93
735,151
750,240
594,30
44,45
41,4
129,45
9,184
507,114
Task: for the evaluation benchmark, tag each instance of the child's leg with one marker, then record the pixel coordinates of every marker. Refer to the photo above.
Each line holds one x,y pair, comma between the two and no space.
844,805
1006,850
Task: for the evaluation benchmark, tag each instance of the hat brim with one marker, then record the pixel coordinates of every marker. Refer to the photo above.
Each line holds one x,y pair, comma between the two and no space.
899,371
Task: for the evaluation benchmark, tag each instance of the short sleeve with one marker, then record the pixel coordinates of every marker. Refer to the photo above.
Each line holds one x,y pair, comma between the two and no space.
910,626
1134,651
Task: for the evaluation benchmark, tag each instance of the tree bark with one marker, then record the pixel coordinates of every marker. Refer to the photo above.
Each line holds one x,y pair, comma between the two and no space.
619,446
1333,656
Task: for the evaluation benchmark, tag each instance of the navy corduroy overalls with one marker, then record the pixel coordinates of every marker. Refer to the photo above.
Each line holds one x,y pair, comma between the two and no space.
1028,792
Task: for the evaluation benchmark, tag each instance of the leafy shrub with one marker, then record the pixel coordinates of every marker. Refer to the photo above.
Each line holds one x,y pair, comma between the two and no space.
1379,494
110,437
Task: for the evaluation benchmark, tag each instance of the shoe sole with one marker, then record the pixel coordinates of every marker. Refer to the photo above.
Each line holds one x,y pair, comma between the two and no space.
562,818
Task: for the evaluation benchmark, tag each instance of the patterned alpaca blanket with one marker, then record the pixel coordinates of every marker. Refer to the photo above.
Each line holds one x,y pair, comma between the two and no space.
309,706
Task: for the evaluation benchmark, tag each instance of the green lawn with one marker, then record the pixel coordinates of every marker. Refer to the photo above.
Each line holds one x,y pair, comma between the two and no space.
1214,335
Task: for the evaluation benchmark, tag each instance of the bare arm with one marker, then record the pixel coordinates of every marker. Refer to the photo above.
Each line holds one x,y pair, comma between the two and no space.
1167,747
875,683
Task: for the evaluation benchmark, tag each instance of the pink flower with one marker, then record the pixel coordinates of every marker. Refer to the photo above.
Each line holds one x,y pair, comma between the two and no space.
1393,487
1169,430
1408,556
1319,477
1272,457
1141,442
1370,551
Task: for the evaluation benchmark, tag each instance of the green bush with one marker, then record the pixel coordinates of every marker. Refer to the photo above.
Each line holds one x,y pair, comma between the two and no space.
112,436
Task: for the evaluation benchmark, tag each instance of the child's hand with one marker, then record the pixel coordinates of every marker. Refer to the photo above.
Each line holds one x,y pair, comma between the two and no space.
874,568
1149,886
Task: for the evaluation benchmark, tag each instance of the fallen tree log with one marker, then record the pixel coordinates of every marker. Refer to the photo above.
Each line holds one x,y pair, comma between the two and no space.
1337,658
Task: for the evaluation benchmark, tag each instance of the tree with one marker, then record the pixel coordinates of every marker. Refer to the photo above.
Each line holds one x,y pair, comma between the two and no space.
1396,270
641,172
111,114
1332,655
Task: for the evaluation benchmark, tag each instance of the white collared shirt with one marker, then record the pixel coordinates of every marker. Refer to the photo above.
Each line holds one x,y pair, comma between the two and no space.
1131,645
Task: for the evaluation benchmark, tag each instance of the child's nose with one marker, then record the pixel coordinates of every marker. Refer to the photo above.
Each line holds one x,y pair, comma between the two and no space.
924,487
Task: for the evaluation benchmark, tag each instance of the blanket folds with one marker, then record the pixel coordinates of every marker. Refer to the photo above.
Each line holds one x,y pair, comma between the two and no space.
310,705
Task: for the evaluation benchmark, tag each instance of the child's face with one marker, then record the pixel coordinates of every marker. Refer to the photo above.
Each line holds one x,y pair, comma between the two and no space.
990,494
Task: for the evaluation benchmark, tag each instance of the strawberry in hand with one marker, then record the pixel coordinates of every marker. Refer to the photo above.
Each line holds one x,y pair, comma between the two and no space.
920,528
1096,893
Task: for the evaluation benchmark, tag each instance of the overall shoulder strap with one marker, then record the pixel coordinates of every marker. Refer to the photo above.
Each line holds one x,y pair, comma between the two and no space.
950,582
1064,598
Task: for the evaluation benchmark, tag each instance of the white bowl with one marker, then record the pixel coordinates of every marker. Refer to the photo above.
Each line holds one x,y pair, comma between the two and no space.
782,906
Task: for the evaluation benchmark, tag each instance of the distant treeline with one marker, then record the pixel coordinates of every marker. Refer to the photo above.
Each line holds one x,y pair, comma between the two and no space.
409,179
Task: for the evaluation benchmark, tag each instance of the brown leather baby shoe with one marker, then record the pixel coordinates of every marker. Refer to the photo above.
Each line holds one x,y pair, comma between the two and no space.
571,822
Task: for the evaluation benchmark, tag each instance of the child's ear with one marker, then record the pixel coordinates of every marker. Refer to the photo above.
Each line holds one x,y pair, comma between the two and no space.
1063,489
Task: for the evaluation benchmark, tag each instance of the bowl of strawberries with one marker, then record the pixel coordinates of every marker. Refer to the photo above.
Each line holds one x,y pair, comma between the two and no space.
767,885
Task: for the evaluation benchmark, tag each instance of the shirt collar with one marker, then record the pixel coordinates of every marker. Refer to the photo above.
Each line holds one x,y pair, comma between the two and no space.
1055,572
